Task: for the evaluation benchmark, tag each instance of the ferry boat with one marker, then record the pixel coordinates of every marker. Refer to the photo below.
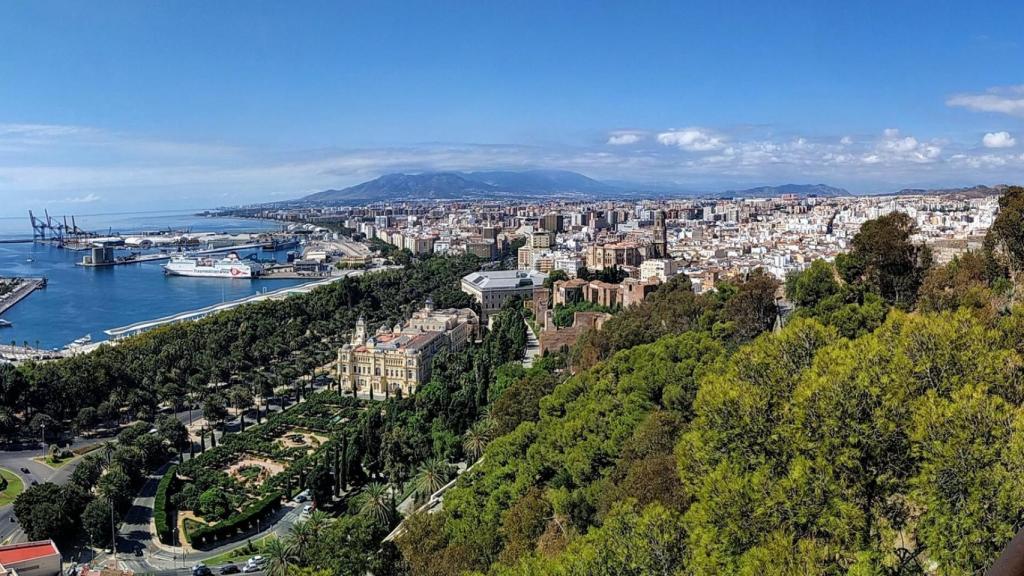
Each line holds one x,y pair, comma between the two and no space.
229,267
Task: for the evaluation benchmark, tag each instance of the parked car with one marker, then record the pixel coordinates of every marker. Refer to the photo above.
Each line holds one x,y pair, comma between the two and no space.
307,509
230,569
251,568
201,570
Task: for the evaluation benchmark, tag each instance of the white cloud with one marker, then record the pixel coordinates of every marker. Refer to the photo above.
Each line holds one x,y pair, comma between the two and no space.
85,199
998,140
76,165
895,147
1005,100
692,139
622,138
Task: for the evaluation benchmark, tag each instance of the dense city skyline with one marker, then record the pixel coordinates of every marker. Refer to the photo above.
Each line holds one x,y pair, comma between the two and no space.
172,105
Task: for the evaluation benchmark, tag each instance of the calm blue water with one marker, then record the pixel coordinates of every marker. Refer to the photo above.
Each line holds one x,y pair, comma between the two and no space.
80,301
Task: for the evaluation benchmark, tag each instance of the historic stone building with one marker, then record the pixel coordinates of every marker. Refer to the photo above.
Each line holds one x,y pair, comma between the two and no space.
400,358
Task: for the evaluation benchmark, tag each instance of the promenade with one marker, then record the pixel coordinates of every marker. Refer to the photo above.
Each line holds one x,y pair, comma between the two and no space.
25,287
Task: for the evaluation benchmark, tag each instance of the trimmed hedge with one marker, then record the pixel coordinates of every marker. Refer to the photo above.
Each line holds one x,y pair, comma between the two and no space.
244,520
83,450
162,502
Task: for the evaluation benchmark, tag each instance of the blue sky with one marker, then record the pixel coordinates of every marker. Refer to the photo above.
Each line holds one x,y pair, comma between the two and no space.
183,104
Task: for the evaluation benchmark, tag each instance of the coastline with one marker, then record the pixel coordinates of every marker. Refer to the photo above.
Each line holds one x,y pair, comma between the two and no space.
25,287
101,297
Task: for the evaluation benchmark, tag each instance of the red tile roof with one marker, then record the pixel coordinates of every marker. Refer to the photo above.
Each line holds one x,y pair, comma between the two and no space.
27,551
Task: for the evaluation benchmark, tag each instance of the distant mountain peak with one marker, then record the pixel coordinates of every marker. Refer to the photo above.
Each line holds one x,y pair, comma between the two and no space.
493,184
797,189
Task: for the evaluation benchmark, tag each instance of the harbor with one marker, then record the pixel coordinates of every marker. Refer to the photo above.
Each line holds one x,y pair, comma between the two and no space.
80,300
104,271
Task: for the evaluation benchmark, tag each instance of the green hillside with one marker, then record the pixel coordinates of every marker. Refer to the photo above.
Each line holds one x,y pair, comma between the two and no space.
879,432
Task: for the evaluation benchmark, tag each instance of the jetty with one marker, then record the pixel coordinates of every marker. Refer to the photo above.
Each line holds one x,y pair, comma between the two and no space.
22,288
13,353
122,260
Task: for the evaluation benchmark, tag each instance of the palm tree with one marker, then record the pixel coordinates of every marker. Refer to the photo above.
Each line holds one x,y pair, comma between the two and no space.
279,558
475,439
376,503
317,521
300,536
432,475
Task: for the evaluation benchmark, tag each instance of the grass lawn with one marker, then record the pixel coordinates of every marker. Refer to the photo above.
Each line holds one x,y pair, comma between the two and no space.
242,553
51,462
14,487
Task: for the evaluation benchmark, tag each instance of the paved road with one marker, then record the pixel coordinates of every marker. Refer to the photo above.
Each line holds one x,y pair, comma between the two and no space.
17,458
135,531
135,545
532,346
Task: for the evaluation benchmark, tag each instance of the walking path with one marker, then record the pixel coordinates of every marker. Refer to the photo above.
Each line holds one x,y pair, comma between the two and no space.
140,552
532,346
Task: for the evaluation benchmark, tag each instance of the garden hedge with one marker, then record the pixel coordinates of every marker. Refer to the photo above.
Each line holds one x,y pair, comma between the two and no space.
244,520
164,529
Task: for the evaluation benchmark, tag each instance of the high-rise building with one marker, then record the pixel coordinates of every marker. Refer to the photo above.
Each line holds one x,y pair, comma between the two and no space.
541,240
552,222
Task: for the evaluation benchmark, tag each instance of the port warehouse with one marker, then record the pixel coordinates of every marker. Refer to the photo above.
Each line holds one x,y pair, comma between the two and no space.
40,558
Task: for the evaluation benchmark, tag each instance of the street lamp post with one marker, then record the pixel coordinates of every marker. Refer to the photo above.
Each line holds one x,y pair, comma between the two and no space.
113,534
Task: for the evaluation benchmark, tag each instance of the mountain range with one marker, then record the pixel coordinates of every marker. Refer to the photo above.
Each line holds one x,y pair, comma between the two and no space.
504,184
467,186
979,191
564,184
797,189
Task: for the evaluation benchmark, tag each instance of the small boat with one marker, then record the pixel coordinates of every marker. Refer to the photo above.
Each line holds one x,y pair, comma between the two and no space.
81,341
5,323
29,260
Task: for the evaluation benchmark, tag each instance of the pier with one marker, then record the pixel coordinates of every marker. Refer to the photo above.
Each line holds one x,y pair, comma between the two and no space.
135,259
25,287
140,327
12,353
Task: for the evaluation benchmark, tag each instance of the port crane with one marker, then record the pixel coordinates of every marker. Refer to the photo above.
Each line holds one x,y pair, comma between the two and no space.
55,229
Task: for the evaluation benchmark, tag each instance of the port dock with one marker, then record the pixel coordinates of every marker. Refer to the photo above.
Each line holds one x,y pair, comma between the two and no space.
25,286
132,259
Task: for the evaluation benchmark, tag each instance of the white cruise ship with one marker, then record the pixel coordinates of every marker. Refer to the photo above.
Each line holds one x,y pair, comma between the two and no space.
230,267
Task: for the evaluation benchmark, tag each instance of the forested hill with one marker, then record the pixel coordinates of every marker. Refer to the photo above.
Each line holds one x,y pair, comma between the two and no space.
879,432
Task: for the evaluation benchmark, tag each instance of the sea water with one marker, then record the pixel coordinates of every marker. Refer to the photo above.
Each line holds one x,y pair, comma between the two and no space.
78,301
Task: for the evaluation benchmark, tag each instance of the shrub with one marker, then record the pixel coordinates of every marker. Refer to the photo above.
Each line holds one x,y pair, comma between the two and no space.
163,527
244,520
